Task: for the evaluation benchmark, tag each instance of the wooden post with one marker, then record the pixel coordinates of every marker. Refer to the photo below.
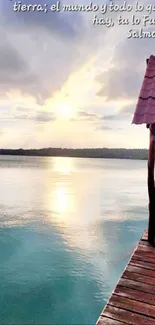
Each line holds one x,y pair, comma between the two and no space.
151,187
151,190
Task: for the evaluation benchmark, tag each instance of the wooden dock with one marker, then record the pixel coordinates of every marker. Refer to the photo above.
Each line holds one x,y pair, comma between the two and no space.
133,300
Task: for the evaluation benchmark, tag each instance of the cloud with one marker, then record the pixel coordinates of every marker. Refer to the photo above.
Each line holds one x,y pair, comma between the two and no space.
39,51
120,83
14,69
28,114
38,117
54,45
44,117
124,78
104,128
2,132
129,109
86,116
115,117
22,109
10,61
42,57
123,114
53,22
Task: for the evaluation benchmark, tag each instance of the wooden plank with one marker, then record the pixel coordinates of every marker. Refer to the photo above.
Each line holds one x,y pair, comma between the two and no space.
145,243
138,277
133,300
142,264
141,257
127,316
135,295
132,305
139,270
108,321
137,285
145,235
145,253
145,238
146,248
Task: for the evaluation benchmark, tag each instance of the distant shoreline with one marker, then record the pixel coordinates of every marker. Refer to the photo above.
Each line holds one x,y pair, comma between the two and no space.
113,153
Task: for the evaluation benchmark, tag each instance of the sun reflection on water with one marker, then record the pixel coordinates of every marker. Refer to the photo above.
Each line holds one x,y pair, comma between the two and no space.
62,200
61,196
71,208
63,165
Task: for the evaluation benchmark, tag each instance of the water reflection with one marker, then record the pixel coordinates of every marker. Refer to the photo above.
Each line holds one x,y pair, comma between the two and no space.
61,201
83,218
63,165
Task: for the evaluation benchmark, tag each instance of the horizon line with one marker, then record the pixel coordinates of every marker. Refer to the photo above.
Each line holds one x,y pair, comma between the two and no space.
65,148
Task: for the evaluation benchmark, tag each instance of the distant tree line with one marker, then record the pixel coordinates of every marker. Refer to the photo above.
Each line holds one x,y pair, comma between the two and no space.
113,153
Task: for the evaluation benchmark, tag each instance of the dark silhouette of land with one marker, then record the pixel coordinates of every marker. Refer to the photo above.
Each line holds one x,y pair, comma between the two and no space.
114,153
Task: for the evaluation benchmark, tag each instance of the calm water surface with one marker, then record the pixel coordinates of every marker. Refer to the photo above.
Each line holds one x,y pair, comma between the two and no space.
67,229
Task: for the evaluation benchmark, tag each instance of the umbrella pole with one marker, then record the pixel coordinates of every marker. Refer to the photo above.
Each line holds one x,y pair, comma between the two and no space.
151,191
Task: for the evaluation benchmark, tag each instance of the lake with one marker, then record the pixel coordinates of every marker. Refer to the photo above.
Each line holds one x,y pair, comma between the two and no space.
67,229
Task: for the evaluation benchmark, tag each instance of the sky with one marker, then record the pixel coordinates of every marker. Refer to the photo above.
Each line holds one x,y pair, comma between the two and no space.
65,82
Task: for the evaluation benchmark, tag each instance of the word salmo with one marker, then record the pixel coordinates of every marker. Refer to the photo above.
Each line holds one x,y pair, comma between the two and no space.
140,34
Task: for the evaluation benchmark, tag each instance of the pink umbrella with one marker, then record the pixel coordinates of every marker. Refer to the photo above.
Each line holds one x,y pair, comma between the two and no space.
145,109
145,113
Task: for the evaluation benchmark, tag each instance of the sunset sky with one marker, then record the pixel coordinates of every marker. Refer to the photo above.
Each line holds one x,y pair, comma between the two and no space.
67,83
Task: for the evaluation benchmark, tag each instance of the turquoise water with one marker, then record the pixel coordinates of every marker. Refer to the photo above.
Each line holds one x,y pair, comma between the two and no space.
67,229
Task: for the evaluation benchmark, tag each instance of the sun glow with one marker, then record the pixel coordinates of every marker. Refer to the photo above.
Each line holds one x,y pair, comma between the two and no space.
63,110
